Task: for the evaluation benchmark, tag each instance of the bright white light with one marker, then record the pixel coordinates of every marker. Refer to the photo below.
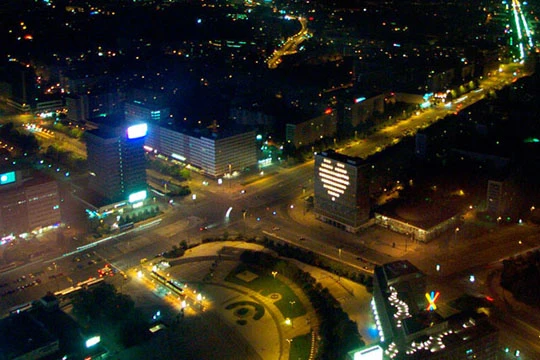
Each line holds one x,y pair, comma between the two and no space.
137,131
93,341
138,196
228,213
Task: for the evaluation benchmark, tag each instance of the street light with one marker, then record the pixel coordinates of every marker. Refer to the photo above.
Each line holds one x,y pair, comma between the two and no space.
274,273
455,234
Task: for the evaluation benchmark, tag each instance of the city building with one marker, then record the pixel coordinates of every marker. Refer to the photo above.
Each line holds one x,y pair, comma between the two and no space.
29,201
116,161
83,107
412,327
341,190
312,130
362,109
215,154
24,337
41,330
146,112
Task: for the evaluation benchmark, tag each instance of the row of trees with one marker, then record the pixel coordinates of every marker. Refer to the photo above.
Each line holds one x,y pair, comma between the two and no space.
58,156
73,132
176,171
338,333
310,258
27,143
105,311
136,216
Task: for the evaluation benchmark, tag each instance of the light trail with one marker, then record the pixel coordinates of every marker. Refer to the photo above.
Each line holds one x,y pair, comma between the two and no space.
524,34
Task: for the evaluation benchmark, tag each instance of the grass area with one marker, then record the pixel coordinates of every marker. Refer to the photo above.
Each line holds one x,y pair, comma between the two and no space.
300,347
259,309
289,305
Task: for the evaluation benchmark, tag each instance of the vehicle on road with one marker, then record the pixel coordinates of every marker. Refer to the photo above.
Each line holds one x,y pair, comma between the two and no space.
107,270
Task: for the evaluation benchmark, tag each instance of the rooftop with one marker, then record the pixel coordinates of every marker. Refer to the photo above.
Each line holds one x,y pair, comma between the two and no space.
332,154
399,268
22,333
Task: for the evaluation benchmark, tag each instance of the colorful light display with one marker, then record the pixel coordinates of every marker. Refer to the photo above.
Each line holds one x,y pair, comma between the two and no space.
431,298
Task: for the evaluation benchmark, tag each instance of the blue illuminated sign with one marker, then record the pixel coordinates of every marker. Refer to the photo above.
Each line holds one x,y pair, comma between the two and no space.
7,178
137,131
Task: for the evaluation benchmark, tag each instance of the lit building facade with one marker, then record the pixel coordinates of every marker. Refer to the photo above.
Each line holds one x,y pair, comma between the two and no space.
341,190
28,202
116,160
215,154
412,328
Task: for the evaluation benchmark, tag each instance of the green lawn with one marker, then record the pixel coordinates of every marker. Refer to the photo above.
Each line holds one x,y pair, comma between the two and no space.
300,347
289,305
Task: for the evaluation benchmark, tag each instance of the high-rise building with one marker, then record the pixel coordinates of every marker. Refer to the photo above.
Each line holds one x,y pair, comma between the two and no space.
116,161
28,201
341,190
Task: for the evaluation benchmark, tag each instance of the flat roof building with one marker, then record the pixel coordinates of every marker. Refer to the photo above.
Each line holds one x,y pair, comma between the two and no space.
29,201
24,337
411,328
341,190
214,153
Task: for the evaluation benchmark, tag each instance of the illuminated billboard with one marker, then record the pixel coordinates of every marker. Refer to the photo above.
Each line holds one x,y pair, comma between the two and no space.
137,196
137,131
7,178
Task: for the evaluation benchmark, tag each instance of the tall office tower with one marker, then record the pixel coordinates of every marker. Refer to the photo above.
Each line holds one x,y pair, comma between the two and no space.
116,161
341,190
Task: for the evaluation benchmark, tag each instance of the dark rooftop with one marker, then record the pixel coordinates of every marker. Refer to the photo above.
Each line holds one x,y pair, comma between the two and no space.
22,333
399,268
331,154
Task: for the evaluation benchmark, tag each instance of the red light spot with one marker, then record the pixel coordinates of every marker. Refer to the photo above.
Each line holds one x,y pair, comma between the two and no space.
489,298
311,18
328,111
28,37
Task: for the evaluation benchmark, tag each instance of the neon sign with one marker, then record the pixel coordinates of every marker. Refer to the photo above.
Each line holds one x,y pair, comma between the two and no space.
7,178
431,298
